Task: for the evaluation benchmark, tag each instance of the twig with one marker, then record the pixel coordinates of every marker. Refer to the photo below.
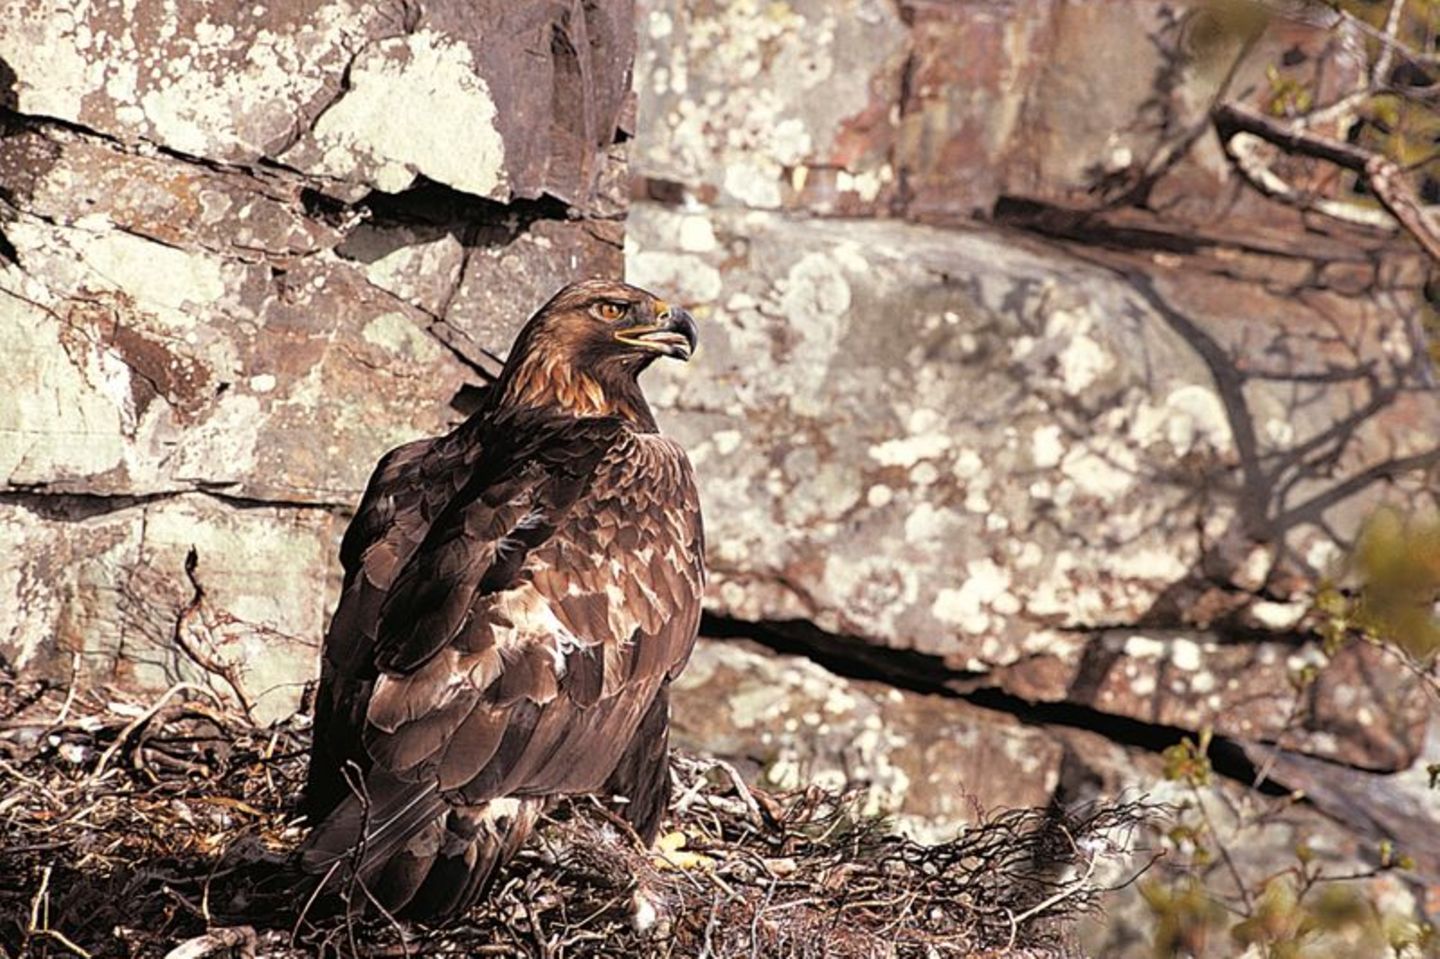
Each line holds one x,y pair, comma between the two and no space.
1386,179
394,923
197,601
37,929
1225,856
1387,49
142,719
310,900
1065,892
69,693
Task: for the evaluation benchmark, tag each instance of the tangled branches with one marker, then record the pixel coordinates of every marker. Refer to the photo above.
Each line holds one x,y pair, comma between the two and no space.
163,830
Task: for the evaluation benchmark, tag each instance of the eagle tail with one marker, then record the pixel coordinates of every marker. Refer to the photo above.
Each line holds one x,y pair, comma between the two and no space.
476,841
642,776
418,854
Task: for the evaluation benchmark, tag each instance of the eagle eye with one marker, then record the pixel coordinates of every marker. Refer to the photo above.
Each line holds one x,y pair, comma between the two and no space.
611,310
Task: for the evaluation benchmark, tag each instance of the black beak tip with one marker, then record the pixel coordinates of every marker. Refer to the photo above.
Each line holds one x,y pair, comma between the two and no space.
684,324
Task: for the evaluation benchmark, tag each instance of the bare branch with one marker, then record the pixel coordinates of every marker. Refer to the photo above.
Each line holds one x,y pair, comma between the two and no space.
1385,178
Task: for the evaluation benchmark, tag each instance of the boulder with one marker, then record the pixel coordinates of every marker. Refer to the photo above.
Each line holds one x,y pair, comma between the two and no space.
1080,479
244,250
931,763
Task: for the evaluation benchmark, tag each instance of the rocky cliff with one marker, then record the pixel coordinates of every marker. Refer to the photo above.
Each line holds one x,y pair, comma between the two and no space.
247,248
1016,400
1026,431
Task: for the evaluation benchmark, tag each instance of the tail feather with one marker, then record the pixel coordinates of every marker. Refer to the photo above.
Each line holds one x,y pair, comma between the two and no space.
643,774
391,813
393,881
421,855
479,840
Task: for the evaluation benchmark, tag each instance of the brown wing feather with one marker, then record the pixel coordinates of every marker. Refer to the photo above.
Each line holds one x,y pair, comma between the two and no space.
408,485
602,612
508,618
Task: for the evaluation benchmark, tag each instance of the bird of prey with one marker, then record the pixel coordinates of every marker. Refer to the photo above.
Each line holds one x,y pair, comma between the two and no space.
518,595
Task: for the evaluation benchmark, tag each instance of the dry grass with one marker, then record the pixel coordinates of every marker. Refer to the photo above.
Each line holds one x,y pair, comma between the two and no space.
161,829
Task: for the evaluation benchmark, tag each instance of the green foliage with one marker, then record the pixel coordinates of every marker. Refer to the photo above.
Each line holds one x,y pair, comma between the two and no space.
1288,96
1186,916
1187,761
1396,565
1208,907
1397,560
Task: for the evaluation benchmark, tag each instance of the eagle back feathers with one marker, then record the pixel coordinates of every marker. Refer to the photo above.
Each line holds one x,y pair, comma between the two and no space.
516,594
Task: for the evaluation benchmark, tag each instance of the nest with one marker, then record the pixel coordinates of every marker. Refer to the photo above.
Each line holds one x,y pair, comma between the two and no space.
162,828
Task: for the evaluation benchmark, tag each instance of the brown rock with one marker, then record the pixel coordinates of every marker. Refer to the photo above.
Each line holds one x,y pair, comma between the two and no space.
1360,710
934,763
245,249
976,461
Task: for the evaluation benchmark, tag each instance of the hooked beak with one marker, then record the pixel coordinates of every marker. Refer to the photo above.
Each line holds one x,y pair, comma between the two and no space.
674,334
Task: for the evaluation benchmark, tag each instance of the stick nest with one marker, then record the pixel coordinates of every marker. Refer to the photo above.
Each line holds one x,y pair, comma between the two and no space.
161,828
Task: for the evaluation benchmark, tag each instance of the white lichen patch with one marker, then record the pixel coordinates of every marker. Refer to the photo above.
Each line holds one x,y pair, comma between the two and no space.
1140,646
926,522
1185,654
909,450
40,43
392,123
1082,359
67,420
153,274
968,606
397,334
727,441
683,275
697,234
1105,472
747,91
1278,616
1157,563
1197,417
1046,447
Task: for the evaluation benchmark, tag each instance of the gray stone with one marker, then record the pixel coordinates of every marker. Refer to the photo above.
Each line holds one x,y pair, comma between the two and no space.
244,250
987,450
932,764
98,588
750,103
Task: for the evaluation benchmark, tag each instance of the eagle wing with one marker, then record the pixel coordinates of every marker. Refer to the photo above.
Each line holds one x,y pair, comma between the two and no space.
409,487
506,626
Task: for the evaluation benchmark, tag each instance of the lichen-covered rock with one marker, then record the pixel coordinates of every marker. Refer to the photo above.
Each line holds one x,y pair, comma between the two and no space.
245,249
489,98
752,103
931,763
941,112
99,593
1354,706
986,451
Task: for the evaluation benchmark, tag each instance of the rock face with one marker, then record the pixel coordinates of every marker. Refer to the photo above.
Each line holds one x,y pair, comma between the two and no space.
1061,486
1009,391
243,251
931,762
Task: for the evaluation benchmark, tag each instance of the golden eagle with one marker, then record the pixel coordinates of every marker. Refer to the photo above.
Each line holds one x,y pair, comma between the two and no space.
518,595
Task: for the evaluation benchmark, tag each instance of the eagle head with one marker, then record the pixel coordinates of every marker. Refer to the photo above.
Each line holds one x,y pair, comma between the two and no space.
582,352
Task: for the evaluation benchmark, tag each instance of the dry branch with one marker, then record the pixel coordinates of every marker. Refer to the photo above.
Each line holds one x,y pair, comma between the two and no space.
182,851
1384,176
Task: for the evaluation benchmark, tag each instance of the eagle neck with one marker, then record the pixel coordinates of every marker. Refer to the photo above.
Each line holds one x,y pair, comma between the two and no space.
541,382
